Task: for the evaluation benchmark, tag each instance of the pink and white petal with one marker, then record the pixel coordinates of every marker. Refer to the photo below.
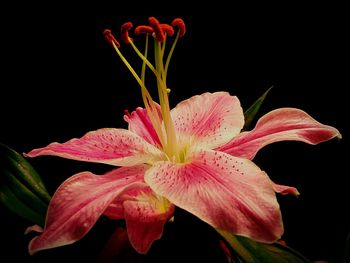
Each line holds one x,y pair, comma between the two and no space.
210,119
116,247
145,215
117,147
140,123
34,228
284,189
79,202
229,193
285,124
115,210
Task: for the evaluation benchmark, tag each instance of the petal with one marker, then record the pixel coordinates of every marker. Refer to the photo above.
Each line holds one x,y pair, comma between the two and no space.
115,210
210,119
284,189
227,192
34,228
79,202
110,146
116,247
145,215
285,124
140,123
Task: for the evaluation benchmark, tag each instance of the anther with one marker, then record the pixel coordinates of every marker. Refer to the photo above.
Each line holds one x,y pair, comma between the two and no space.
178,22
125,32
168,29
157,29
143,30
107,33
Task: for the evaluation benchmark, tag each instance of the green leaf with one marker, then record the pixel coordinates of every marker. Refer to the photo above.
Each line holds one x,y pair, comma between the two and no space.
250,113
23,171
22,193
250,251
21,188
9,199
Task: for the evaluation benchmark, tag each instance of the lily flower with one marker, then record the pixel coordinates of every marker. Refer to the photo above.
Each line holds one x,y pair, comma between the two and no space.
194,157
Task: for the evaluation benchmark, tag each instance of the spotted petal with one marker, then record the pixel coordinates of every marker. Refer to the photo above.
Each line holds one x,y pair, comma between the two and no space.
140,123
283,124
229,193
284,189
210,119
145,214
111,146
79,202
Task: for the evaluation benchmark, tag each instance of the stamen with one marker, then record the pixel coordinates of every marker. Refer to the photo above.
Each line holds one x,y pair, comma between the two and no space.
143,69
125,32
147,99
143,30
107,33
161,121
168,29
157,29
180,24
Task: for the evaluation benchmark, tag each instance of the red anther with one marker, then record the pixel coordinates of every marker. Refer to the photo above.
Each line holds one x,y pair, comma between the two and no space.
168,29
178,22
125,32
143,30
156,27
107,33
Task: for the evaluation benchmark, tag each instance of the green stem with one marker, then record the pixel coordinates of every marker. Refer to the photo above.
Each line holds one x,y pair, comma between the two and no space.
143,70
170,55
152,113
171,142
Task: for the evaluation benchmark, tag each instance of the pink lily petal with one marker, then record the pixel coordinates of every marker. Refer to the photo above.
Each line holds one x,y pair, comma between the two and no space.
284,189
34,228
116,248
78,203
140,124
110,146
210,119
115,210
145,215
229,193
283,124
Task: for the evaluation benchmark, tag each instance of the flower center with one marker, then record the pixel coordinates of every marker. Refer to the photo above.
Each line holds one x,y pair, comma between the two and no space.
164,125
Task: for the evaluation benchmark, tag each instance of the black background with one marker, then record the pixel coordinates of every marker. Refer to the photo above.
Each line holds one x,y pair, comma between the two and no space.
60,79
